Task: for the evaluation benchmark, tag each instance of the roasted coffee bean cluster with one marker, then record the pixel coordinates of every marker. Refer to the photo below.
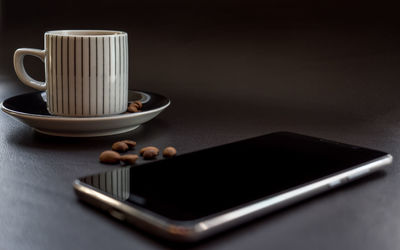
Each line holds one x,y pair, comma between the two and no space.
135,107
148,153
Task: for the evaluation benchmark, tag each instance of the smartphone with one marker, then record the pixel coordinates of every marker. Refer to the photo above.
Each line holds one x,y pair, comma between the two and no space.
195,195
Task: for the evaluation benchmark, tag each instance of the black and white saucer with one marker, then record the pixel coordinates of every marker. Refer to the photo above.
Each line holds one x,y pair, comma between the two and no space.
31,109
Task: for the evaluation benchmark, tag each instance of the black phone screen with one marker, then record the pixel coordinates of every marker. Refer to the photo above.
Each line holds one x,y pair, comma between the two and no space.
202,183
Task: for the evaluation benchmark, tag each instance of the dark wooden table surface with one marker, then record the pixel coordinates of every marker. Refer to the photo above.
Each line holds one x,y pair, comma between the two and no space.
226,83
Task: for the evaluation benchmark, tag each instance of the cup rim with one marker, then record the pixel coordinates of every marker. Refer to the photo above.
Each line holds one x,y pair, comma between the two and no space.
86,33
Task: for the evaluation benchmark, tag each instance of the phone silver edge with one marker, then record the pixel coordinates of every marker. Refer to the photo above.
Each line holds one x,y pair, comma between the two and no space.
195,230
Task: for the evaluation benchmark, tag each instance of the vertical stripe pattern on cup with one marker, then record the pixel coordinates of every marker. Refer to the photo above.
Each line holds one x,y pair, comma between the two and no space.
112,75
64,77
59,76
48,72
100,76
53,69
86,75
93,76
71,75
106,71
117,74
78,76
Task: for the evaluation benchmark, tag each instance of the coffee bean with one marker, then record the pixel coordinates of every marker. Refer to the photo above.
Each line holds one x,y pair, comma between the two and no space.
120,146
129,158
149,154
131,144
132,108
169,152
139,104
135,106
149,148
110,157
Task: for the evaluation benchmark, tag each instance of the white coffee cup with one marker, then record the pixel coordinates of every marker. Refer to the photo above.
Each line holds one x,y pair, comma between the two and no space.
86,72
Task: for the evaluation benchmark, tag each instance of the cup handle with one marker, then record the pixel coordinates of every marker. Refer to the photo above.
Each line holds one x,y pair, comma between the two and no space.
20,69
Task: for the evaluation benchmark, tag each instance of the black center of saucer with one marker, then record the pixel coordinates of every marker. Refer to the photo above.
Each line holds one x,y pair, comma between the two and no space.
33,103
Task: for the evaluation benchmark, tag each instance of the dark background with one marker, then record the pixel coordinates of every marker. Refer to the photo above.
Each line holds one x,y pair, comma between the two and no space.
233,70
237,47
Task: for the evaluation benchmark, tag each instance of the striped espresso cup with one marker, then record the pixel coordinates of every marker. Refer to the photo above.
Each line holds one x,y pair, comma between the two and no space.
86,72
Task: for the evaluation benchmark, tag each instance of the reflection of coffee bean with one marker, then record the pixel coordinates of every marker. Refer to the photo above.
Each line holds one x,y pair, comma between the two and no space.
109,156
131,144
129,158
120,146
156,150
149,154
169,152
